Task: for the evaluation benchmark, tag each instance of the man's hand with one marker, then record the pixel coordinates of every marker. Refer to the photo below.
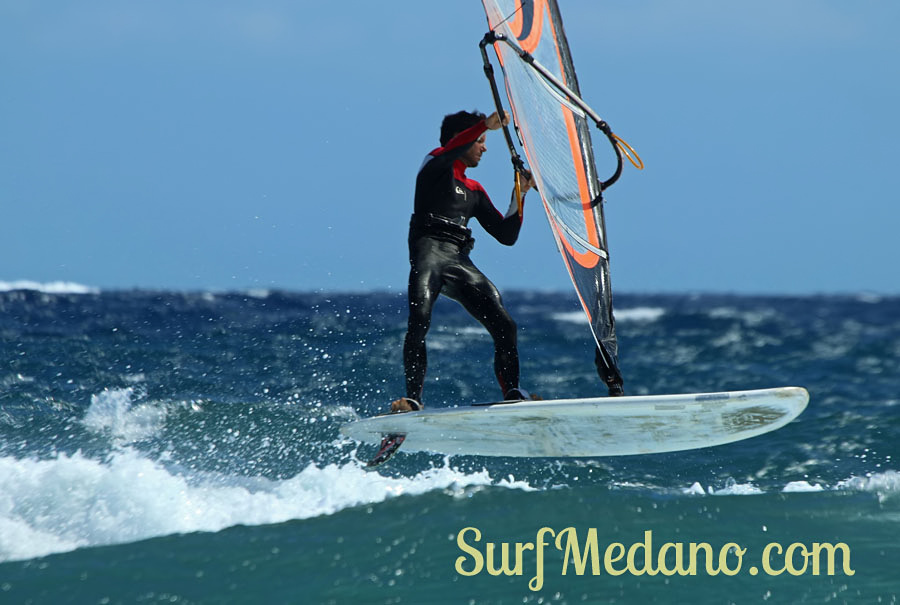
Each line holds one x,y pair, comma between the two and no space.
526,181
494,121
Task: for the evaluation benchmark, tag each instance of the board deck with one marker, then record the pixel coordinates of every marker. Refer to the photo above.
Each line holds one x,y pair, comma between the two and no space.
606,426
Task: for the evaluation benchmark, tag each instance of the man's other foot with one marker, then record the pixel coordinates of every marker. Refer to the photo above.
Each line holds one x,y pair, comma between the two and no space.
517,394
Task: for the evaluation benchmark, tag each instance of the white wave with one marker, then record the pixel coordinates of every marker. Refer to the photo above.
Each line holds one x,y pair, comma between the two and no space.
750,318
736,489
56,287
456,339
115,411
885,485
645,314
732,488
575,317
72,501
694,490
642,314
869,297
135,378
802,486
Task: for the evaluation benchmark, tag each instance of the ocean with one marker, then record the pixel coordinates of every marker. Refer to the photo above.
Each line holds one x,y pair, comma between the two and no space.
184,447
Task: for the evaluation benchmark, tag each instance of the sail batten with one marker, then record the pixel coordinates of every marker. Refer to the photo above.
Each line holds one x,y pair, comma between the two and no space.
553,127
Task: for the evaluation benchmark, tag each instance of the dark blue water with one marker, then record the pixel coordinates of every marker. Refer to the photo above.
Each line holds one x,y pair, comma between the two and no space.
184,447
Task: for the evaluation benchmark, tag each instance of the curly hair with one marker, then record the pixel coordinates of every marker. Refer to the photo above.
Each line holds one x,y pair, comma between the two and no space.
455,123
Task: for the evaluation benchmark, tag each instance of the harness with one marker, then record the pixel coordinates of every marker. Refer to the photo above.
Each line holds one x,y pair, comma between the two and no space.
442,228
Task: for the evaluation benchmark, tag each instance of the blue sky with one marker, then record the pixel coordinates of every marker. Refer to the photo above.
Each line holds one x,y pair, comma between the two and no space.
232,145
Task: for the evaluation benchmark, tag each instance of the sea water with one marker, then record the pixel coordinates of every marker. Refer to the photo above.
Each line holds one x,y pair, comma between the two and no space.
183,447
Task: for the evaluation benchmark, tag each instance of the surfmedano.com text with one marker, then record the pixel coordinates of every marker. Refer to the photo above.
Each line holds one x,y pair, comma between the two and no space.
582,555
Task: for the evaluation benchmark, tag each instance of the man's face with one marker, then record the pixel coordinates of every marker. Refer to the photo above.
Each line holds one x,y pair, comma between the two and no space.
471,157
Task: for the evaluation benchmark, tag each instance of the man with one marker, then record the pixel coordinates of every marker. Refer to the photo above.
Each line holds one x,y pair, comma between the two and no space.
439,245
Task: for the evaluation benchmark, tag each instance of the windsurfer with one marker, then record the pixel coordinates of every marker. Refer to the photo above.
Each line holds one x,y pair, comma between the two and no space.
439,245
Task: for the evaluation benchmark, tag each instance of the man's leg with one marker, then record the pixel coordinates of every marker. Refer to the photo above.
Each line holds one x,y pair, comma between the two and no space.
482,300
424,287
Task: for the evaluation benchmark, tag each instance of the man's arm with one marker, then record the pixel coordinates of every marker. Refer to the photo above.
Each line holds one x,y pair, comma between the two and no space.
504,228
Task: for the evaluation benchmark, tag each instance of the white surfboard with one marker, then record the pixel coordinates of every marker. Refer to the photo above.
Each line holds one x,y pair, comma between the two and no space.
607,426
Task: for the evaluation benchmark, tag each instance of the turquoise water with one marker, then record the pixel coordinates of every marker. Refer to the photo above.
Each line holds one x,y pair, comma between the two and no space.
184,447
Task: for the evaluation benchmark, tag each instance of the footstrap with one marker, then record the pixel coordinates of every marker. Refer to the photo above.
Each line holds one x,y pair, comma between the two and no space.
389,446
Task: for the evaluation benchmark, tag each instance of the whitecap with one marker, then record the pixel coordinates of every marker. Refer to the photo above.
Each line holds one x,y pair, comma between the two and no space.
636,314
72,501
694,490
886,484
801,486
642,314
56,287
577,317
736,489
114,411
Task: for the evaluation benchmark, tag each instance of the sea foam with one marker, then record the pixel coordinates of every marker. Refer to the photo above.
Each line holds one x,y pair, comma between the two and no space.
56,287
636,314
114,411
885,484
74,500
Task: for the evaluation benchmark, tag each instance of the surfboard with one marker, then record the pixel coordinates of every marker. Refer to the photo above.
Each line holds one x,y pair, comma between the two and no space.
607,426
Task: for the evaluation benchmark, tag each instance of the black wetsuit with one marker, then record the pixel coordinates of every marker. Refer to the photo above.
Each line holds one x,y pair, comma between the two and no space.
439,246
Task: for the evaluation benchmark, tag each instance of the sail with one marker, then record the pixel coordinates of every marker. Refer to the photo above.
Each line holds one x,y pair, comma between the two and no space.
554,130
